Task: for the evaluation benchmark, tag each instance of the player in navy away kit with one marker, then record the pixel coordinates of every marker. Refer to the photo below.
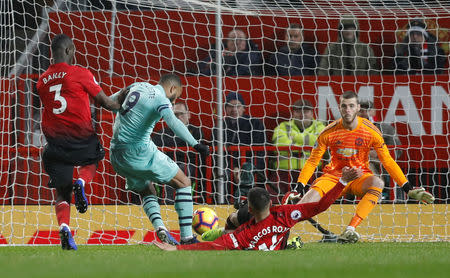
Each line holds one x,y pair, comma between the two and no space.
64,90
269,225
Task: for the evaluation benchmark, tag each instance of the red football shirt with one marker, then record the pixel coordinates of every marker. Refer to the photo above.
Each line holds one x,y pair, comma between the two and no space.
269,233
64,91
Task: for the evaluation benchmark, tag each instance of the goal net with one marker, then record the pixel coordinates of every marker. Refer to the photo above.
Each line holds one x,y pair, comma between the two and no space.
394,54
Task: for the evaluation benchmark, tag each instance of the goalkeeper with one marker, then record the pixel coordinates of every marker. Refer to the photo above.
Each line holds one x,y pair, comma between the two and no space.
268,227
136,157
349,141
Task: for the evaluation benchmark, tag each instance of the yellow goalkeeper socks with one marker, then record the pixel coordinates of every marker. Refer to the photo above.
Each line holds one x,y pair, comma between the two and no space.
366,205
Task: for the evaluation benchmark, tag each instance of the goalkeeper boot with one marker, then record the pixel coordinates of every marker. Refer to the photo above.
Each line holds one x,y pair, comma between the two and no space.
213,234
165,236
294,243
81,202
190,240
67,241
349,236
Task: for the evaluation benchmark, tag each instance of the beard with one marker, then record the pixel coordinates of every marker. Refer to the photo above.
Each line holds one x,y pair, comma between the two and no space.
348,119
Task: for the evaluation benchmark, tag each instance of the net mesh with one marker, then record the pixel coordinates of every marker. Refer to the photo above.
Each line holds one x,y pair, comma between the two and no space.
126,41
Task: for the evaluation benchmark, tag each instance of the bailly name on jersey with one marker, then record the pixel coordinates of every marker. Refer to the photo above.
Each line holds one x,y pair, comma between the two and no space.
265,231
55,75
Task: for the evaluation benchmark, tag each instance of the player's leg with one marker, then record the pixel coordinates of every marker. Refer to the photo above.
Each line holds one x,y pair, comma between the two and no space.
319,188
369,187
133,164
152,209
183,205
85,175
86,153
165,171
60,179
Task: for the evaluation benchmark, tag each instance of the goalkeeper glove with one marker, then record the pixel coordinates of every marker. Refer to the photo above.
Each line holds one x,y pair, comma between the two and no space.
202,149
418,193
300,188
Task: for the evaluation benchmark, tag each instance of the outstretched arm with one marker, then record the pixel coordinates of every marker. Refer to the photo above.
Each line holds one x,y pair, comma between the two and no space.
178,127
218,244
312,162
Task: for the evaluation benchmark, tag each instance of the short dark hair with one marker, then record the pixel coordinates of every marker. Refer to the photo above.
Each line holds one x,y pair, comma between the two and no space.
60,41
295,26
258,198
366,105
302,104
349,95
234,96
170,78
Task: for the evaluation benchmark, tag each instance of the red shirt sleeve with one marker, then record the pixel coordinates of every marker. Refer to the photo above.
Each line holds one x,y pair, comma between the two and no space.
300,212
311,209
87,81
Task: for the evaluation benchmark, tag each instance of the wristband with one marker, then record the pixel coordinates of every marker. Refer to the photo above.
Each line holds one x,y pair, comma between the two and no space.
407,187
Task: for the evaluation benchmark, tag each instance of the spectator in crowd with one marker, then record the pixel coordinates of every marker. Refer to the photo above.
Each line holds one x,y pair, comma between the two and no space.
419,52
241,57
390,138
348,56
187,161
239,129
301,130
294,58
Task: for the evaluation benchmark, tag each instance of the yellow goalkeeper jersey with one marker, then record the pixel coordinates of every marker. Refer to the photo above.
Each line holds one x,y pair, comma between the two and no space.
350,148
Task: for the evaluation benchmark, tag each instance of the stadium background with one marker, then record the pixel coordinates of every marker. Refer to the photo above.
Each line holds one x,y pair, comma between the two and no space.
149,43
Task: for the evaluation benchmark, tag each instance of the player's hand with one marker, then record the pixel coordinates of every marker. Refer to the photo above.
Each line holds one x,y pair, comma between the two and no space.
350,174
421,195
164,246
202,149
300,188
292,197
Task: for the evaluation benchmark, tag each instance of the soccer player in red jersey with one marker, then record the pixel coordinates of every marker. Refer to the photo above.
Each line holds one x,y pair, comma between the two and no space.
64,90
350,140
269,225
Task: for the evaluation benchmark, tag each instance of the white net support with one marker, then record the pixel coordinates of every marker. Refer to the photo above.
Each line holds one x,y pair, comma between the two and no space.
286,50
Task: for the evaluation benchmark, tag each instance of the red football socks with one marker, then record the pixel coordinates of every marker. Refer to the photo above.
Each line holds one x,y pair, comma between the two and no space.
62,210
87,172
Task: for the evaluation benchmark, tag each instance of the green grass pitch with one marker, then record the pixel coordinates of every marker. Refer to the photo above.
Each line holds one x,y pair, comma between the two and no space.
316,260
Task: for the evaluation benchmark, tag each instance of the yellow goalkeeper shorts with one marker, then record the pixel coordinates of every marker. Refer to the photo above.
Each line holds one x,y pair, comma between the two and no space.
324,184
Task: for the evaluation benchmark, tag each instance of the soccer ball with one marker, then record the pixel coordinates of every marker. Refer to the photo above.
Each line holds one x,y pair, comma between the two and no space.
204,219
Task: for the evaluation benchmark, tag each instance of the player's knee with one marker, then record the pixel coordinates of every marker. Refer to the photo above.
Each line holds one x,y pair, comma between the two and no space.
64,193
232,222
180,180
185,182
243,215
376,182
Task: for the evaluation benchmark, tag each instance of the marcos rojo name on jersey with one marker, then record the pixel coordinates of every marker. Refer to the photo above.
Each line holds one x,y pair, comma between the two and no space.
266,231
